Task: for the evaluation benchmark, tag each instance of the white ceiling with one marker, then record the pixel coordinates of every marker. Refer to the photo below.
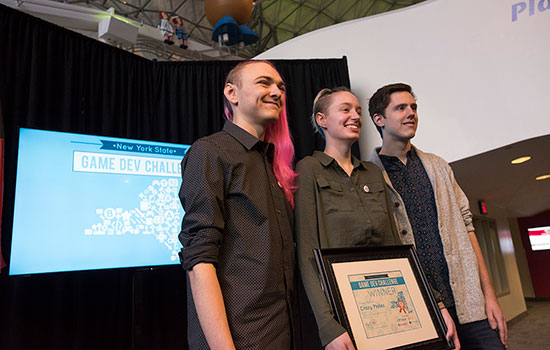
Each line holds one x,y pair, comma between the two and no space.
490,176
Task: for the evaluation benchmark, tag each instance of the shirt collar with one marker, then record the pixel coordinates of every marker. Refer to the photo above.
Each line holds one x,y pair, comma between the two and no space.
392,163
248,140
326,160
411,154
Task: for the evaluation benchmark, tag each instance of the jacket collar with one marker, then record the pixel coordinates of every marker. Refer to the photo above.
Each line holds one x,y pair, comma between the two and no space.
326,160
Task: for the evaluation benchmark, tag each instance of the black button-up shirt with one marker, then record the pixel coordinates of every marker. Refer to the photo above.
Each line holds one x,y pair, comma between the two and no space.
413,185
237,218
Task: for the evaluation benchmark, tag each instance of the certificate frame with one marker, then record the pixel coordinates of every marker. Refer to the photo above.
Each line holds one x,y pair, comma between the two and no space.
370,290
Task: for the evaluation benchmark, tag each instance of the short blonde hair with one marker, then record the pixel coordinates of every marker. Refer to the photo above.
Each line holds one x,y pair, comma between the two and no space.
321,104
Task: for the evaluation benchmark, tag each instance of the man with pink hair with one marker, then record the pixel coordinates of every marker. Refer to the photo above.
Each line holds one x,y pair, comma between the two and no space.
237,234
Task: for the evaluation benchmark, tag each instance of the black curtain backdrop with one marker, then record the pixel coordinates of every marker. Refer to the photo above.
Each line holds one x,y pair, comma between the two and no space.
55,79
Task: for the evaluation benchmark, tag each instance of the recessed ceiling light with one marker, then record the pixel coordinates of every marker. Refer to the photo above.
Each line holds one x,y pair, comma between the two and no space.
521,160
543,177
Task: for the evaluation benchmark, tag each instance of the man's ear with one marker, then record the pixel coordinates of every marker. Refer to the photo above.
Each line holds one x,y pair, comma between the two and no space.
379,120
321,119
230,92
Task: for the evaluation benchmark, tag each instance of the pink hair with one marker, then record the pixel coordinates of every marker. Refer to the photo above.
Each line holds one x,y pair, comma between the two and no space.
276,133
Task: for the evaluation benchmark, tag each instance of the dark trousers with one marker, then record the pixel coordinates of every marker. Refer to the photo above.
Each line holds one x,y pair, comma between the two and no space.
476,335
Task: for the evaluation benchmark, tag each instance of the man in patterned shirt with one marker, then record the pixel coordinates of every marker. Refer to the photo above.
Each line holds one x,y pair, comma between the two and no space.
433,214
237,193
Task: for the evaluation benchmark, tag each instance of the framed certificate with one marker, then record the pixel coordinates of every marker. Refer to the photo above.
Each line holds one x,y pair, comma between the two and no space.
381,296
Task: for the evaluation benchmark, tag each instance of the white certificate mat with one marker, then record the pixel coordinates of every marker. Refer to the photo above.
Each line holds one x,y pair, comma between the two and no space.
383,303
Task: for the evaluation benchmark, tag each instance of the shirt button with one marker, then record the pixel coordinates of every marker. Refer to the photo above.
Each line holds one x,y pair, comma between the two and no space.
366,189
278,212
404,232
396,204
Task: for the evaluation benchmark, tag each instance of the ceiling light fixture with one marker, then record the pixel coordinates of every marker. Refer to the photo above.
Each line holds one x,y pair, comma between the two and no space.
521,160
543,177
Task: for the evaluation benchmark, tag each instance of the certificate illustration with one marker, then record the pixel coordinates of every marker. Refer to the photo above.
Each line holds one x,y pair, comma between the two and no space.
384,303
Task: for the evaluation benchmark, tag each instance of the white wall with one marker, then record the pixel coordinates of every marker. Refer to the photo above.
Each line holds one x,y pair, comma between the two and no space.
482,80
511,304
521,259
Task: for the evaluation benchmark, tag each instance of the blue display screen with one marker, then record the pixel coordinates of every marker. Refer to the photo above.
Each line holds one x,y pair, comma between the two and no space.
87,202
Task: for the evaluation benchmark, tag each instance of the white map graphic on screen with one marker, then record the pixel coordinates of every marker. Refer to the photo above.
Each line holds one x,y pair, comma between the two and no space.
159,214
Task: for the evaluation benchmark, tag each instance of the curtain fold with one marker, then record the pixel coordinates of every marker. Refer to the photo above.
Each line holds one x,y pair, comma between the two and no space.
55,79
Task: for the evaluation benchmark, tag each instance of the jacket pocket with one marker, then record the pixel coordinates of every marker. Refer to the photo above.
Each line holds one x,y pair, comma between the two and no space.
332,196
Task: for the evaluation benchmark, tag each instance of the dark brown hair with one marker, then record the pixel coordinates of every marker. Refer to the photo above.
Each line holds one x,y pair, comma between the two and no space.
382,97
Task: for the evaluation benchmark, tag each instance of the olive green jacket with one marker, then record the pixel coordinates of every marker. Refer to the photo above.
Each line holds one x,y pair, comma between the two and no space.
334,210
